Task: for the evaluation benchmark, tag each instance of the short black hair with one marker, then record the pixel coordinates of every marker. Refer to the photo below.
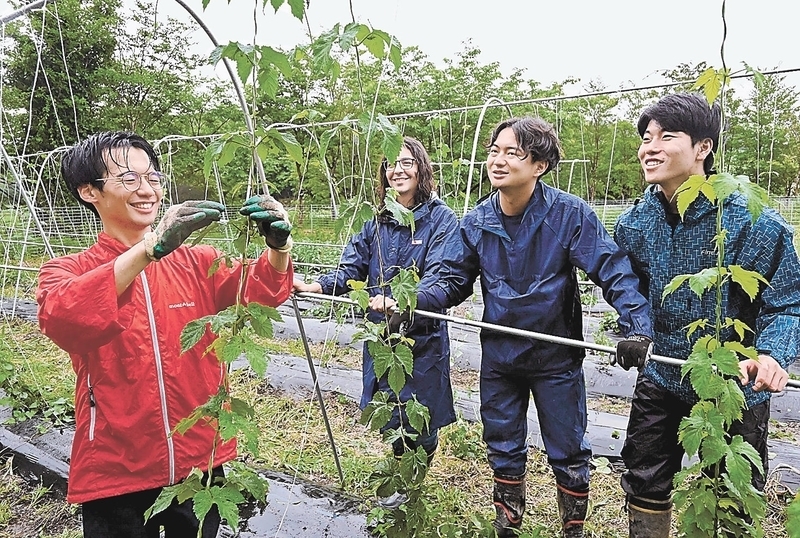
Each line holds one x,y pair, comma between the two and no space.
687,113
534,136
85,162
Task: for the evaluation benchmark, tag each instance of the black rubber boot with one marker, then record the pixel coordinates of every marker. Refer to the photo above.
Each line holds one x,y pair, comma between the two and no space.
509,502
572,507
649,518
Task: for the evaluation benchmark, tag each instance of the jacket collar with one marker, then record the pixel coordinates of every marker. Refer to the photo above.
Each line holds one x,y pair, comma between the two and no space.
110,244
696,211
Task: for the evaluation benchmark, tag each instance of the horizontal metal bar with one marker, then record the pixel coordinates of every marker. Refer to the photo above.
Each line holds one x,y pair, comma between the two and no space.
516,332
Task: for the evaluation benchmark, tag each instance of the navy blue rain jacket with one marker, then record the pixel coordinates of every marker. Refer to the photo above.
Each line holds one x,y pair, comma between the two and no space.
531,283
376,254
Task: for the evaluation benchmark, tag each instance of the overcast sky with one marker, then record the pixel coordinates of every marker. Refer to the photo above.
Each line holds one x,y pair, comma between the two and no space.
618,42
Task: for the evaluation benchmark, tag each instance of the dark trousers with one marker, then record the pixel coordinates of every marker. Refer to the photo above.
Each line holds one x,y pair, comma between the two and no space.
123,517
560,399
652,452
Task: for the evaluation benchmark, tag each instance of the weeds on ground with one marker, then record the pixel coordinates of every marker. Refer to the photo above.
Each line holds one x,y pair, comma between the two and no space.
31,510
34,375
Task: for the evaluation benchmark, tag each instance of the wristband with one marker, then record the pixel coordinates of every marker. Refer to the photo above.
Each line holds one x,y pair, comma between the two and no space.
150,240
285,248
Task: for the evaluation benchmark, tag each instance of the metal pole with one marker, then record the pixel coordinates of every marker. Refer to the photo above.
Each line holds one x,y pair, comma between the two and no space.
517,332
321,401
27,199
237,86
21,11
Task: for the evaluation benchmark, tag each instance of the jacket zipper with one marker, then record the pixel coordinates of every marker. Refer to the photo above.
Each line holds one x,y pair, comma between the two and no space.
92,407
160,375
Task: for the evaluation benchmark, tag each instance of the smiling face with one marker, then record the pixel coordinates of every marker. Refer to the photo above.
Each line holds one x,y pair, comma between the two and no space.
668,158
510,168
405,182
126,215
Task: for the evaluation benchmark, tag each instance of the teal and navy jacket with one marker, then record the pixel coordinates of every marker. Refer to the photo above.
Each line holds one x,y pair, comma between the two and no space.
660,252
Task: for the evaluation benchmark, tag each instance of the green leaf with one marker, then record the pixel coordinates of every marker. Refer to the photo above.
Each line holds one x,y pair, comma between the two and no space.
375,45
348,35
277,58
161,503
382,357
298,10
731,402
290,143
405,358
673,285
739,326
395,55
700,282
724,185
211,155
402,214
240,243
696,325
227,500
230,348
242,56
246,479
711,82
688,192
748,280
261,318
737,347
192,333
418,415
757,197
713,448
704,419
378,412
256,355
404,288
242,408
268,81
396,377
359,294
726,360
793,517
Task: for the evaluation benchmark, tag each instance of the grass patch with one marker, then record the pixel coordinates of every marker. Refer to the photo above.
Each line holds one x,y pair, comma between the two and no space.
35,375
32,510
293,440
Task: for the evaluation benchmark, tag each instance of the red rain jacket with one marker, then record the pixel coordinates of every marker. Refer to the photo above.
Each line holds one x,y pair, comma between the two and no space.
132,385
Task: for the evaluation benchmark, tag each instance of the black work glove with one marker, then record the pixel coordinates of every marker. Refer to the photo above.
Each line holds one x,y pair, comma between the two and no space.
272,221
398,323
178,223
634,351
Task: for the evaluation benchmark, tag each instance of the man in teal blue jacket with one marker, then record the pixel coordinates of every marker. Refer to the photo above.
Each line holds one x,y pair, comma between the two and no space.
679,136
526,241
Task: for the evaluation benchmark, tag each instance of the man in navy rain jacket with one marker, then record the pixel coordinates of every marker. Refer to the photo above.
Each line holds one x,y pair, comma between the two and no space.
526,241
376,254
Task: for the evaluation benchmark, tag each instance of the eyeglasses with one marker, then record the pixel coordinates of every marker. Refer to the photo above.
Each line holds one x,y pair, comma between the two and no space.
131,180
405,164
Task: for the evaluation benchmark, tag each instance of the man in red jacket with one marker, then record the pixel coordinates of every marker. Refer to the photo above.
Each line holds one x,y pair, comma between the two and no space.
118,309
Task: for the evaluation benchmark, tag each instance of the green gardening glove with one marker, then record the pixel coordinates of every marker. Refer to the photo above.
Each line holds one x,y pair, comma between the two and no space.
272,221
178,223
